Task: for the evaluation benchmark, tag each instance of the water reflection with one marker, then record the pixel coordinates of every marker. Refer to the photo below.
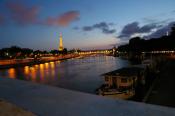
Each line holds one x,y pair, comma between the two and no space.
33,74
41,70
26,70
52,65
76,74
46,66
36,66
11,73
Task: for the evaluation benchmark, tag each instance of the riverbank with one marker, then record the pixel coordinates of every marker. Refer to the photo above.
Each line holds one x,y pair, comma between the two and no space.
162,92
4,64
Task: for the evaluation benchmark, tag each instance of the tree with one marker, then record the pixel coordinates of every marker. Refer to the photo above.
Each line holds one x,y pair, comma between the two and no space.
172,34
54,52
27,51
64,51
37,52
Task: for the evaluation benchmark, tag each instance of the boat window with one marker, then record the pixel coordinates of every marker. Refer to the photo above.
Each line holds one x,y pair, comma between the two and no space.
106,78
123,80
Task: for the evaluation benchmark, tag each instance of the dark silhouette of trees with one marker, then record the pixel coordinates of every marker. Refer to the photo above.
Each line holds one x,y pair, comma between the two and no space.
64,51
136,44
172,34
37,52
11,52
15,52
27,51
14,49
57,52
123,48
54,52
45,52
74,51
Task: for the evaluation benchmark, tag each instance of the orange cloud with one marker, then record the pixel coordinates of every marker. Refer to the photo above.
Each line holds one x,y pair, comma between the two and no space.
64,19
22,14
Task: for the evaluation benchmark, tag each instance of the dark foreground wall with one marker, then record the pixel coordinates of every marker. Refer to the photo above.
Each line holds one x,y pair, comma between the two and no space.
53,101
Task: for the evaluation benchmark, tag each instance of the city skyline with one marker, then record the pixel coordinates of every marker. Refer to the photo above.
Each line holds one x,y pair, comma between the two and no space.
84,24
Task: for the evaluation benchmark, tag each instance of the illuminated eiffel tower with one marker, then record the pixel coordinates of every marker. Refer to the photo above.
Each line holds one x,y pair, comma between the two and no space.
61,43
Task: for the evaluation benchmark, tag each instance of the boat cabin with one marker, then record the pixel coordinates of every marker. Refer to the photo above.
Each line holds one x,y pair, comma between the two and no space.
123,80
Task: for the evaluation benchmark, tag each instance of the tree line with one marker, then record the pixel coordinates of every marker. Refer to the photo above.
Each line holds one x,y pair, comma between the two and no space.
18,52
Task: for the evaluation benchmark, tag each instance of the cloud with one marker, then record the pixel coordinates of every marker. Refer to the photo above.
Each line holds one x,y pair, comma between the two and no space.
161,31
129,29
107,31
147,28
152,30
64,19
103,26
88,28
22,14
134,28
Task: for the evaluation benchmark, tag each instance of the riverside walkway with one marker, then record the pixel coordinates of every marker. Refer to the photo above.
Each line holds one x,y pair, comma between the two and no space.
31,61
45,100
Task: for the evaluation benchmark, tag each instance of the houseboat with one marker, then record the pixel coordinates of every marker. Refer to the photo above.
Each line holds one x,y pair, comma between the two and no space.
121,83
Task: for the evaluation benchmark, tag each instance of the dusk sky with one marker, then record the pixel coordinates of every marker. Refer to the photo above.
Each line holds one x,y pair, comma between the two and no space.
84,24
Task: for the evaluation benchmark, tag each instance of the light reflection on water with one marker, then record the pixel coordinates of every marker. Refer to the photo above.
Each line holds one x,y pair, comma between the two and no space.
11,72
76,74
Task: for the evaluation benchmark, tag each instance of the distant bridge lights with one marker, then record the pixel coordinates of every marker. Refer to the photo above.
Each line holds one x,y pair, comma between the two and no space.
160,52
95,52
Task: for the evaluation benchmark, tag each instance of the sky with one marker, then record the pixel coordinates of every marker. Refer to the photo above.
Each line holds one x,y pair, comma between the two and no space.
84,24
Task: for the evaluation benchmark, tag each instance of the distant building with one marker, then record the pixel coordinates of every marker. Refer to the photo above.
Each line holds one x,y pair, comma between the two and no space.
61,43
121,83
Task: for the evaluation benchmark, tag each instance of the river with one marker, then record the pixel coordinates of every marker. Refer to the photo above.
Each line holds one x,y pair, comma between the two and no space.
76,74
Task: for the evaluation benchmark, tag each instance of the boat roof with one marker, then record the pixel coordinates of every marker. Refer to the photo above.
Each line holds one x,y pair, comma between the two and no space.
126,71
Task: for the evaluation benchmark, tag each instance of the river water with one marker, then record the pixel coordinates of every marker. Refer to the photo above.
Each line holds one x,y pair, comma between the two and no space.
76,74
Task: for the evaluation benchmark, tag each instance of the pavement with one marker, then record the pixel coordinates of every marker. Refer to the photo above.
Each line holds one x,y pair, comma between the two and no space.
45,100
8,109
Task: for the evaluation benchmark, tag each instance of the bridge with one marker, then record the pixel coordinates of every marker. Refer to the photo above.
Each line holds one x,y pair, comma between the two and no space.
89,52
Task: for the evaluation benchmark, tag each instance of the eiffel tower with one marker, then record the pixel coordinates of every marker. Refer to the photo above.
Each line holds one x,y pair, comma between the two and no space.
61,43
